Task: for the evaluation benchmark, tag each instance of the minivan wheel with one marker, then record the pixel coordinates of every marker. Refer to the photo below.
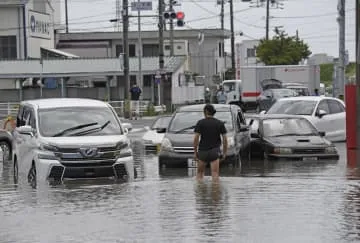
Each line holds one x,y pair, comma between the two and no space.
16,172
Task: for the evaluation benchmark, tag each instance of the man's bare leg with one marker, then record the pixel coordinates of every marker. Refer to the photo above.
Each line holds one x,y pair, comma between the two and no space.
200,170
215,170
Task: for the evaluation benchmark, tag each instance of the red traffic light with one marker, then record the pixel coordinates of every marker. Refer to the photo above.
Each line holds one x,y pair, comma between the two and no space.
180,15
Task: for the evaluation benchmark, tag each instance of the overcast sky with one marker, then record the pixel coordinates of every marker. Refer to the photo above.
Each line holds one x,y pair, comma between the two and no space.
314,19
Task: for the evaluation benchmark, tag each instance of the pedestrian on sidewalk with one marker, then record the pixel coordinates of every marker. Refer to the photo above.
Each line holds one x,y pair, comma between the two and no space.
207,144
135,92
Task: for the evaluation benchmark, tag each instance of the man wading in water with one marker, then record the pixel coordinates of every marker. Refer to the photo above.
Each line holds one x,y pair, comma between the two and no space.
209,132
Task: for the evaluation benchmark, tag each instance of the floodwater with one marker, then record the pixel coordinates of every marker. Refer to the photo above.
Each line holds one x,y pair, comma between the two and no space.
259,202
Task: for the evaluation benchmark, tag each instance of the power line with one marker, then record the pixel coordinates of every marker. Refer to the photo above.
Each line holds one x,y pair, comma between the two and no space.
310,16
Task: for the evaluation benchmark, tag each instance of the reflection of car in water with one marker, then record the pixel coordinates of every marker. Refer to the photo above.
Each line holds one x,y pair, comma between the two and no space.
152,139
268,97
57,139
326,113
290,137
177,144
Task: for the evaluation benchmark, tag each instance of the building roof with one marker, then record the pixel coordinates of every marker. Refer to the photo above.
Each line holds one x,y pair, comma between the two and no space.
65,102
150,34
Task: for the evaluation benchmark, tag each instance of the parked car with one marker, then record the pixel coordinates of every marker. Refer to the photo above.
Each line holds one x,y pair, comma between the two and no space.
326,113
177,144
268,97
152,139
291,137
57,139
6,139
301,89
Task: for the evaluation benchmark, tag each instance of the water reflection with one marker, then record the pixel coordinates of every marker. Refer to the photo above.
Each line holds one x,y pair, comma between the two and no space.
212,207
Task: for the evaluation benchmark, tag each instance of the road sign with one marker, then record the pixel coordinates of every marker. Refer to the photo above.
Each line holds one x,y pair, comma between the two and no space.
142,6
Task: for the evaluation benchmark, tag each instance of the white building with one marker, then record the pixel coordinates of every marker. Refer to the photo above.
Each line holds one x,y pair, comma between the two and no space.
320,58
26,26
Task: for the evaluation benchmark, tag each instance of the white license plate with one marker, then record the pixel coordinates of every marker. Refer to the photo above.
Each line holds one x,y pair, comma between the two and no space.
192,163
309,158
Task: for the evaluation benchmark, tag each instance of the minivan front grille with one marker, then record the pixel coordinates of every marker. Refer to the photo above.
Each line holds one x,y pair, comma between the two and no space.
184,150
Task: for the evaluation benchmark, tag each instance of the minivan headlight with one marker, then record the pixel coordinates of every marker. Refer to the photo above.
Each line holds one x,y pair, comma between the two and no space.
166,145
48,147
123,149
47,151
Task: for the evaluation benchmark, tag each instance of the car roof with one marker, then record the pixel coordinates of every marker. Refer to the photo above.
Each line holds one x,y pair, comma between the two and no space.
64,102
279,116
200,107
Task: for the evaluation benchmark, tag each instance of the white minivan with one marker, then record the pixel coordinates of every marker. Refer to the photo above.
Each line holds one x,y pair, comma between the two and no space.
64,138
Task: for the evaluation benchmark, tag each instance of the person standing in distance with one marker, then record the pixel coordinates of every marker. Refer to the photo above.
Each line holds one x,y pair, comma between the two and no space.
135,92
221,95
207,142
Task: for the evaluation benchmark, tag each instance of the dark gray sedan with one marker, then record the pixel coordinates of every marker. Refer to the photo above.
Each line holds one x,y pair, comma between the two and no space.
177,145
290,137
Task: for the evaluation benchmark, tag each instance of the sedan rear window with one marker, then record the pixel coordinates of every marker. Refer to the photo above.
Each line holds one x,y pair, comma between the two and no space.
293,107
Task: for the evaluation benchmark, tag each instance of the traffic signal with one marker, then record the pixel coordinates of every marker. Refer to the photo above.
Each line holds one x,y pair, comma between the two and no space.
169,15
180,19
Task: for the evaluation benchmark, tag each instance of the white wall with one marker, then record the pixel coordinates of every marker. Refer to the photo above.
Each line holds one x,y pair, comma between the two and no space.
7,84
88,52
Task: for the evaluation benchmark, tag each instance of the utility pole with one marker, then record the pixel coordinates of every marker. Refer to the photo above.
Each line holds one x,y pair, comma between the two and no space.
161,48
171,8
342,53
125,18
66,17
267,18
233,65
222,14
140,48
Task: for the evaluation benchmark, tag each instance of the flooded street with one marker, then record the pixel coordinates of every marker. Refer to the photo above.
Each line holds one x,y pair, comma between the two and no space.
259,202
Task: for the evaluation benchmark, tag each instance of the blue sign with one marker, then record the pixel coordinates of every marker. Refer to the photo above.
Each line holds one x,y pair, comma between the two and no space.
157,80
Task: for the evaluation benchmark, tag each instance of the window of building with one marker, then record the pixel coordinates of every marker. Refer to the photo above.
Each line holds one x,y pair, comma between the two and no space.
150,50
119,49
167,47
250,52
147,79
221,49
8,48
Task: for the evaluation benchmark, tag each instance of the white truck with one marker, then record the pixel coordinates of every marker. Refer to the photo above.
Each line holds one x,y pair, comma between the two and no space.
245,89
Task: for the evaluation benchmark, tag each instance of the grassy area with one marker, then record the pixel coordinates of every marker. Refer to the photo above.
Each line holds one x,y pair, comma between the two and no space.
327,70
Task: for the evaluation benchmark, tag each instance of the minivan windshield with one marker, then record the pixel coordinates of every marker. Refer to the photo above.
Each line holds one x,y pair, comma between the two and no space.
161,122
183,120
54,121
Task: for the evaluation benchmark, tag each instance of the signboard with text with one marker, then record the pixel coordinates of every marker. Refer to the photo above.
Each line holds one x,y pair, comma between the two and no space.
142,6
40,25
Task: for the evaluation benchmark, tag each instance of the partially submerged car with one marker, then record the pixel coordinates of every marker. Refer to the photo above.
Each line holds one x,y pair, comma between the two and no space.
290,137
301,89
152,139
177,144
268,97
325,113
66,138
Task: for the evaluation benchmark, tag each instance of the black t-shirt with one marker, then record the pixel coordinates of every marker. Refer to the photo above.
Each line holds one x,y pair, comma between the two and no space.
210,130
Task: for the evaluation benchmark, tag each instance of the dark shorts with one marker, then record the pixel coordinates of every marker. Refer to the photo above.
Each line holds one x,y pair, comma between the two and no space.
209,155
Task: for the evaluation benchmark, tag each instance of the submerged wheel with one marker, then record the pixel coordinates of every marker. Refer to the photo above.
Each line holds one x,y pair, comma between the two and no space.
16,172
6,150
32,175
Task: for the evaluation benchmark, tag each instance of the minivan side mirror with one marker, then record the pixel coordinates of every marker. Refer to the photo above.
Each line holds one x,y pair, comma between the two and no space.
322,134
161,130
254,135
244,129
26,130
127,125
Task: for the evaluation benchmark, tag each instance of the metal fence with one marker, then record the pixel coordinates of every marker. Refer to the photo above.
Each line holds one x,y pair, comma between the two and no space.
140,108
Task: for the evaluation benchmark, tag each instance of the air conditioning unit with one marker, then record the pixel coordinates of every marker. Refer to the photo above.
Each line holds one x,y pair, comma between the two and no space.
180,48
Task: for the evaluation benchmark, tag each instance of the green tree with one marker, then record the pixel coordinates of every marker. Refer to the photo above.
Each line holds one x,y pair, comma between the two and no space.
282,49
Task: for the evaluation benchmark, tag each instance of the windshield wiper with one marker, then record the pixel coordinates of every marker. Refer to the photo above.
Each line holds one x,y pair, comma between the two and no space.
97,129
184,129
75,128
